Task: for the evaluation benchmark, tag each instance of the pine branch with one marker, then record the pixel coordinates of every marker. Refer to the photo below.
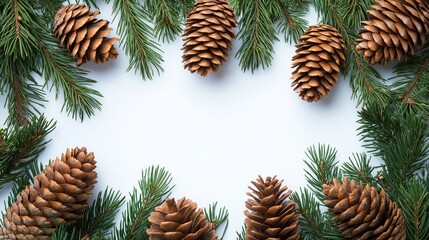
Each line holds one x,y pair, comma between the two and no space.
154,187
257,33
413,199
359,168
217,217
59,69
63,232
48,8
167,17
137,37
366,83
322,168
22,147
99,218
22,92
241,235
289,16
411,84
399,139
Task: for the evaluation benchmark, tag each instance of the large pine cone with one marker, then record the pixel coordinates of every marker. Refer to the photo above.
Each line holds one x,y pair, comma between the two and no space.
208,35
83,35
59,195
396,29
362,212
320,55
270,214
179,220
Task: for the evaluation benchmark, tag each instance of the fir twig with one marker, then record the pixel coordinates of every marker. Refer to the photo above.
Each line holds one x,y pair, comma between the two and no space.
217,217
257,33
359,168
289,16
58,69
168,16
411,84
242,234
154,187
99,218
322,168
311,220
413,199
137,37
22,146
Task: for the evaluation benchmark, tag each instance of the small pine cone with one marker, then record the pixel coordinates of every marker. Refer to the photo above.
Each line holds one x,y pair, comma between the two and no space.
208,35
396,29
179,220
59,195
320,55
362,212
83,35
270,214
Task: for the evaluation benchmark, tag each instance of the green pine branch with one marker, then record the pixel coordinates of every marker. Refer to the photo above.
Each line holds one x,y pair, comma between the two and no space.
413,199
399,139
322,168
154,187
168,17
27,47
99,218
359,168
411,84
217,217
21,147
242,234
289,15
256,32
137,37
59,70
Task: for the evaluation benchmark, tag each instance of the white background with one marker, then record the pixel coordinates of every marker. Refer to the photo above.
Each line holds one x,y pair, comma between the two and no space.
215,134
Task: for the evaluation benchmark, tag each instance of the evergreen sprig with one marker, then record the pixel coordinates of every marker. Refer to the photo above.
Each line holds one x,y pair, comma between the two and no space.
322,168
411,84
154,187
99,218
259,21
21,147
359,168
168,17
27,48
217,218
137,37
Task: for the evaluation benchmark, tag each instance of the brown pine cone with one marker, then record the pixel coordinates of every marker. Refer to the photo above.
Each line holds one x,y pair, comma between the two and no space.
59,195
83,35
363,212
395,30
179,220
320,55
208,35
270,214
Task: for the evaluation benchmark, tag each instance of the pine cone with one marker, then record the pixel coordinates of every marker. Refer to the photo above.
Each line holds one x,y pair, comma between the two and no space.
320,55
396,29
179,221
59,195
83,35
208,35
362,212
270,214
